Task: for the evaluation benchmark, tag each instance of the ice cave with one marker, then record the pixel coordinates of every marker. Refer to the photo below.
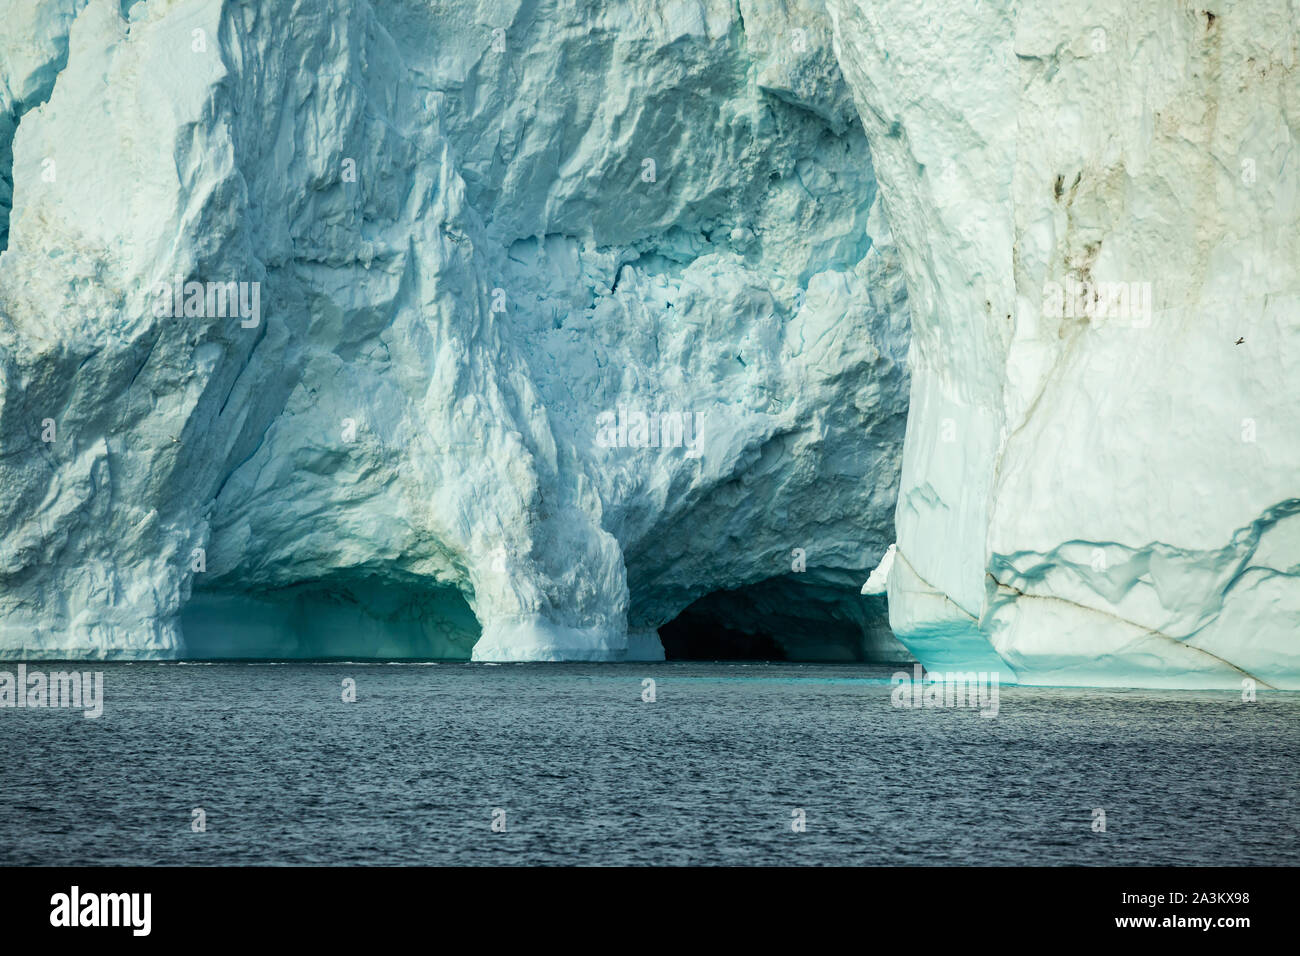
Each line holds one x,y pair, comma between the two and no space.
612,331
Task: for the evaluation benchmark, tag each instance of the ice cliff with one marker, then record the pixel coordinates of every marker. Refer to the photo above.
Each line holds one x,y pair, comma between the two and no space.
567,317
525,329
1096,206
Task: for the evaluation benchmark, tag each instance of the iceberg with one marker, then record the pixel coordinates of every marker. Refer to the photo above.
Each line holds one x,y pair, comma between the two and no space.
528,332
1097,219
458,330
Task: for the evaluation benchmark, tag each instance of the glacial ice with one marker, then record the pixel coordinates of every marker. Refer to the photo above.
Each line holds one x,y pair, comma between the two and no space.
481,232
878,582
484,232
1097,491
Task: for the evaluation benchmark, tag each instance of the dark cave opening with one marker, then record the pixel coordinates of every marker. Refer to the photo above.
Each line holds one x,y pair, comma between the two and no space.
820,616
695,636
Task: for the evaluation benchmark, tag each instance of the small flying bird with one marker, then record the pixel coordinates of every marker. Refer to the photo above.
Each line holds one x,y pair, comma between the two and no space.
1240,340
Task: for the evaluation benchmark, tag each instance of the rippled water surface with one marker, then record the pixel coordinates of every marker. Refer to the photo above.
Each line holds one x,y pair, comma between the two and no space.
586,772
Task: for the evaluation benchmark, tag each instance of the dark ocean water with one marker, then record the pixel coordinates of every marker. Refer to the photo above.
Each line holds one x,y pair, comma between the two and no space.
586,772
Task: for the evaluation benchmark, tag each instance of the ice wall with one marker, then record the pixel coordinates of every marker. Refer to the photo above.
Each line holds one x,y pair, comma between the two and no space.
579,315
1096,207
569,313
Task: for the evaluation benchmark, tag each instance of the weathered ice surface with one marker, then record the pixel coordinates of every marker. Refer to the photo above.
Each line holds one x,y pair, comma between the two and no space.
1101,482
546,321
555,323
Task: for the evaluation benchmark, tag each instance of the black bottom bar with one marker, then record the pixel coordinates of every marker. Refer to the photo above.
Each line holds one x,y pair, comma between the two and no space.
301,905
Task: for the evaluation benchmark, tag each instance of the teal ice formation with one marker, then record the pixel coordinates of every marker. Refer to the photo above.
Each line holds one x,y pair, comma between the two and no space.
518,331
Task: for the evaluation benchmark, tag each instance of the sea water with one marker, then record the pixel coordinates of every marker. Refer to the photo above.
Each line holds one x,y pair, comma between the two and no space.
674,763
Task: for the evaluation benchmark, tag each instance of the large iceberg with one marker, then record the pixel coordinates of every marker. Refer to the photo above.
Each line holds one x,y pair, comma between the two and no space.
1096,205
523,330
544,323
